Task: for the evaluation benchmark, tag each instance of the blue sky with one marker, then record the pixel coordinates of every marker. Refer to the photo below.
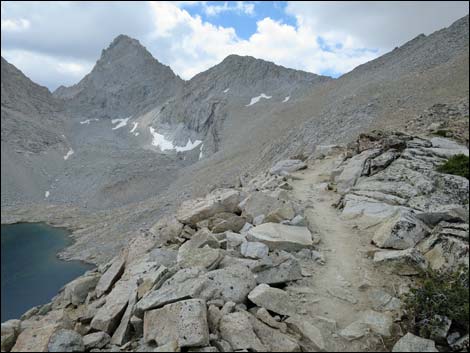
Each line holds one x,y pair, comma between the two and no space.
243,22
57,43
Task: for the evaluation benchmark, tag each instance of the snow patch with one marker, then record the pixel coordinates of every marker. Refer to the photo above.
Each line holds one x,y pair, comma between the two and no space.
228,89
255,100
46,195
160,141
137,134
87,121
69,153
134,127
120,123
286,99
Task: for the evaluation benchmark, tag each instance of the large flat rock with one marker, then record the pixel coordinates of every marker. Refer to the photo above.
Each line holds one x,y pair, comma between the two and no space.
184,322
281,237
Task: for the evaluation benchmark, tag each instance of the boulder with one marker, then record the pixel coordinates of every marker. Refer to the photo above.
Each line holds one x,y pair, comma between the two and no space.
225,221
353,169
230,284
221,200
412,343
166,229
109,315
199,257
110,277
77,291
65,341
272,299
237,330
254,250
401,232
402,262
287,166
152,279
96,340
354,331
184,322
263,315
382,301
10,330
283,213
379,323
279,271
185,284
281,237
312,339
35,339
122,333
163,257
137,325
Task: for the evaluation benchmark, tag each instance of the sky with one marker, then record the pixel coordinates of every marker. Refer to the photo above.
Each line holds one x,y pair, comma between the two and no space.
57,43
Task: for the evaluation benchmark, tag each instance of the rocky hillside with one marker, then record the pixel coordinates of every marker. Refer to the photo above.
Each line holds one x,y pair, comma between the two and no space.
273,266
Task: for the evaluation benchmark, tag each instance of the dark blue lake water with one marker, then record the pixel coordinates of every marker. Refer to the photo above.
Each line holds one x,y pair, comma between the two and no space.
31,272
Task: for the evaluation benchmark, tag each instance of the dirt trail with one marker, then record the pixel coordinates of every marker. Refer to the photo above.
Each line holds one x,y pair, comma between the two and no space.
341,286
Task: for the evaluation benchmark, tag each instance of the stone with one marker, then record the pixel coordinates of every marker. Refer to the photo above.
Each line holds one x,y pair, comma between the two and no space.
184,322
272,299
377,322
214,315
199,257
151,280
382,301
237,330
382,161
343,294
234,240
35,339
185,284
65,341
439,334
272,339
109,315
258,220
166,229
254,250
322,151
230,284
277,215
354,331
263,315
221,200
281,237
286,271
412,343
287,166
96,340
353,169
168,347
77,291
246,228
122,333
222,345
110,277
312,339
401,232
258,204
225,221
163,257
138,325
9,330
298,221
402,262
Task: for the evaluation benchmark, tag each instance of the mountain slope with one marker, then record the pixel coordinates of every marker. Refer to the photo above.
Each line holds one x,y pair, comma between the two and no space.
124,80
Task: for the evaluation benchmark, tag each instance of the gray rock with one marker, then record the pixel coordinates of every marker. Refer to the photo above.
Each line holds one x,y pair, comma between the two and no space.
258,220
412,343
312,339
122,333
272,299
138,325
280,214
254,250
287,166
379,323
230,284
237,330
221,200
96,340
401,232
9,332
354,331
281,237
110,277
66,341
163,257
199,257
109,315
225,221
402,262
439,334
461,344
263,315
285,270
184,322
77,291
234,240
185,284
166,230
382,301
298,221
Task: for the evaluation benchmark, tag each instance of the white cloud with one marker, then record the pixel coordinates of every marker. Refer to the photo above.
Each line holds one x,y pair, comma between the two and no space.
57,43
15,25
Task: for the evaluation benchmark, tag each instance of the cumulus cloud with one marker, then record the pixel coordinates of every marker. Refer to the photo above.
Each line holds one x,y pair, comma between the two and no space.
58,42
